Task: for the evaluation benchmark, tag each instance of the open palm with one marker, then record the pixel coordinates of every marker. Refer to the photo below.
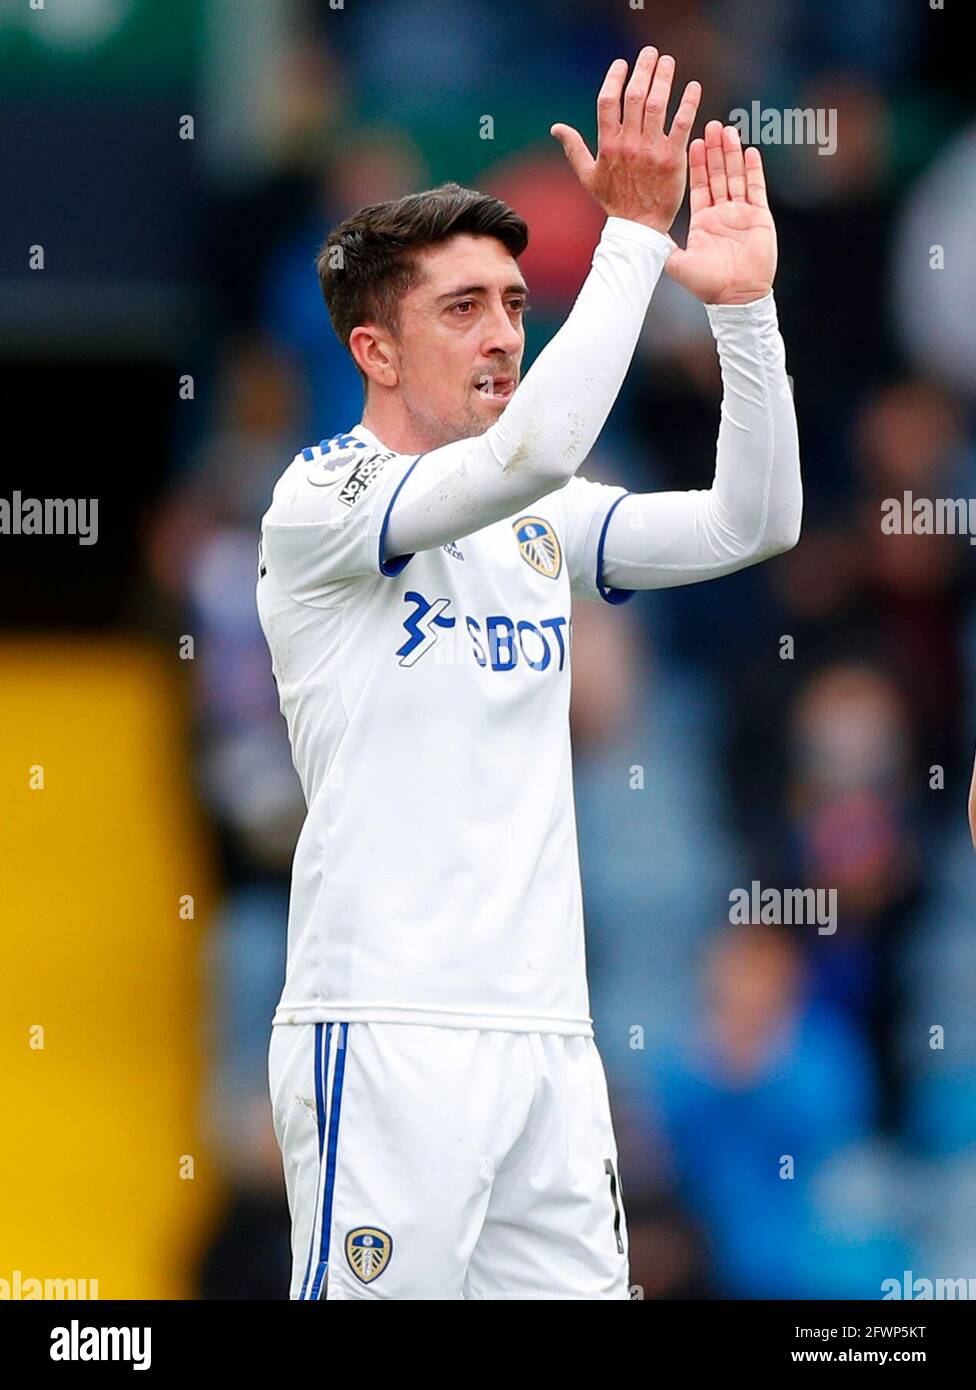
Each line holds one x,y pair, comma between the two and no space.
730,257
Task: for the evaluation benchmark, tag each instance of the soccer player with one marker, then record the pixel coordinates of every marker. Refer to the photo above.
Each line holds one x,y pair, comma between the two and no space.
438,1097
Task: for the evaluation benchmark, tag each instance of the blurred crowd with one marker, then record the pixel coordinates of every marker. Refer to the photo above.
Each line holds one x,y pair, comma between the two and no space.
788,1125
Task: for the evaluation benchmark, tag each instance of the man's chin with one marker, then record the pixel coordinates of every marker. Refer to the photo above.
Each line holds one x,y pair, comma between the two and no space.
485,411
481,415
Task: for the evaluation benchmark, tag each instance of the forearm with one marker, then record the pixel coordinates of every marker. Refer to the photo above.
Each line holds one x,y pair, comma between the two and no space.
754,506
556,414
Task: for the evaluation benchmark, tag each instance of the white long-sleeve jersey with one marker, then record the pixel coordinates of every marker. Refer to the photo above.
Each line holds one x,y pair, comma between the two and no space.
418,613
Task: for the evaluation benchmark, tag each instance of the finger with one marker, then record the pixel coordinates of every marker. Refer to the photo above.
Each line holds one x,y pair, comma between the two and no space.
575,150
656,105
684,117
608,101
735,168
699,191
755,178
636,93
715,160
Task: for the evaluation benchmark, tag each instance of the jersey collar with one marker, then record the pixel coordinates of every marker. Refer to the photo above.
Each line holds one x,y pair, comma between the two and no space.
368,437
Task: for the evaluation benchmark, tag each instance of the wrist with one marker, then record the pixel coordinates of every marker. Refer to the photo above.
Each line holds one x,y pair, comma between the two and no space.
641,232
756,310
656,224
740,299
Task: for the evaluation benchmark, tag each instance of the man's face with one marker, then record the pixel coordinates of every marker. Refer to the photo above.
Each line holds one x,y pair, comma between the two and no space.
461,339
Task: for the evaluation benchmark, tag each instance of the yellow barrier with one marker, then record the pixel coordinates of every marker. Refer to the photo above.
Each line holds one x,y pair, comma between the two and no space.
101,1053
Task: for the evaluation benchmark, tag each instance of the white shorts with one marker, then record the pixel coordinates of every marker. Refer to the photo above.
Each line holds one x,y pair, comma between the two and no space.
432,1163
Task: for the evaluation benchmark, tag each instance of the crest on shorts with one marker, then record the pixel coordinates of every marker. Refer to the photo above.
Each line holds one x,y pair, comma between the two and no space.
368,1251
539,545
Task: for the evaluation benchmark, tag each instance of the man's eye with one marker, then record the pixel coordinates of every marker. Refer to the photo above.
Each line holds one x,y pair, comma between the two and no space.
465,304
518,306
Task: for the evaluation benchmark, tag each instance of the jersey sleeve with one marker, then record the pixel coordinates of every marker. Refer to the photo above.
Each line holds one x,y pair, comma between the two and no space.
586,510
328,517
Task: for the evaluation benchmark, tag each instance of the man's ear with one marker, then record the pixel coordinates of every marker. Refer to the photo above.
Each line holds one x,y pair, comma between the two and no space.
374,351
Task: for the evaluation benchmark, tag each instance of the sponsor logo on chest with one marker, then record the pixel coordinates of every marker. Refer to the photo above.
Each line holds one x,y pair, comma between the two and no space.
494,641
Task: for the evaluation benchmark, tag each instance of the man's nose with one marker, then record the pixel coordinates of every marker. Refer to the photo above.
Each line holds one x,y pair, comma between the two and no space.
502,335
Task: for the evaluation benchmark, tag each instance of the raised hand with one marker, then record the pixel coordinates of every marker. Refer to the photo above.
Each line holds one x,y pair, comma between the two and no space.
731,253
639,171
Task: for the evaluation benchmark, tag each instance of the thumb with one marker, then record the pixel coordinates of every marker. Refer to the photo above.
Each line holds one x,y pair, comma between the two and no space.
574,147
673,265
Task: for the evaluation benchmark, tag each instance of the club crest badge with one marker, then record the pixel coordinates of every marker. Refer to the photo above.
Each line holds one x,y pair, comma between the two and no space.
368,1251
331,459
539,545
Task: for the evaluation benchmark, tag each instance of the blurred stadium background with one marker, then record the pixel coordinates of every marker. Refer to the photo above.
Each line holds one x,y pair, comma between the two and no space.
138,1144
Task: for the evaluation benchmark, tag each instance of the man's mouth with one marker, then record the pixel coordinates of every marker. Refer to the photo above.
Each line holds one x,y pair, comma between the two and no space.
497,388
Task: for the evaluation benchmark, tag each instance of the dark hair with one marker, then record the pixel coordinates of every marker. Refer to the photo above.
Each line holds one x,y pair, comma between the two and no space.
368,263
